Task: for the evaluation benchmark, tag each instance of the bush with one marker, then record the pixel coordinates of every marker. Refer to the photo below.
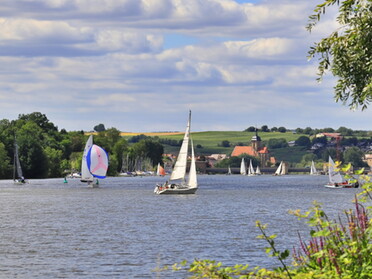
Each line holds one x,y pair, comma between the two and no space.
335,249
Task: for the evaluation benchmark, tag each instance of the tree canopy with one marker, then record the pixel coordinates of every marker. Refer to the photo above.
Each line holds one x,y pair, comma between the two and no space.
347,51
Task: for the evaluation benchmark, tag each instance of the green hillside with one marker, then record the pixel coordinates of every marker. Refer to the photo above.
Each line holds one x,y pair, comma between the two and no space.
209,142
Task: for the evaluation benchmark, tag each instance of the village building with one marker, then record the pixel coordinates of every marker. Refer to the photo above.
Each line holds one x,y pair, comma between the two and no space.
256,150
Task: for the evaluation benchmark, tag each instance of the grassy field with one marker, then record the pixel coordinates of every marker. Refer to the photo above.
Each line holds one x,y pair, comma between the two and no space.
210,142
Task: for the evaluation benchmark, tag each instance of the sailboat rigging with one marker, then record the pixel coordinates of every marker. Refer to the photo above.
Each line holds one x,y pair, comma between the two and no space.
177,183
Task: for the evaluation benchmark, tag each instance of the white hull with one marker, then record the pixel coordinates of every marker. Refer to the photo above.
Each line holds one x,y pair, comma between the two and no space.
342,185
174,189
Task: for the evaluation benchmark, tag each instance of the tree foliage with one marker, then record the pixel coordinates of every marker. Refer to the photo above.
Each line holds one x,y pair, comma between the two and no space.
347,52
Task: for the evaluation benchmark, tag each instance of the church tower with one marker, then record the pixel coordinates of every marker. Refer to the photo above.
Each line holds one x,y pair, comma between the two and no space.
256,142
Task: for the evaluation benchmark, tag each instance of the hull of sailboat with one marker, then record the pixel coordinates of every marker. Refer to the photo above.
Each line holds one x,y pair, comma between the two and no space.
176,190
341,185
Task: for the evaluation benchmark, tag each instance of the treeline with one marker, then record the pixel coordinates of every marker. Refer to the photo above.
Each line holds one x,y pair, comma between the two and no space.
45,151
310,131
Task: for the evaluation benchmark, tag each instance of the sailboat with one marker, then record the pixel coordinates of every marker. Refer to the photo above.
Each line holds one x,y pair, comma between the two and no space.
258,171
280,170
229,171
97,162
313,170
17,169
243,170
177,183
251,169
335,178
160,170
86,176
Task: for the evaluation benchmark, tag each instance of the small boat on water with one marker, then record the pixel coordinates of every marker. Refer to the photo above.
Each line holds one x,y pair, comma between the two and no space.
336,180
243,168
280,170
313,170
258,171
160,170
94,163
251,171
177,183
17,168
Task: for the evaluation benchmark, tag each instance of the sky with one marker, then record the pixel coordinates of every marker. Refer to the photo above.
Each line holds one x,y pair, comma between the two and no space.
141,65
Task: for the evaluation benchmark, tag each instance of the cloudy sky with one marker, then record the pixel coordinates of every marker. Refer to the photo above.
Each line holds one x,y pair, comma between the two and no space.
140,65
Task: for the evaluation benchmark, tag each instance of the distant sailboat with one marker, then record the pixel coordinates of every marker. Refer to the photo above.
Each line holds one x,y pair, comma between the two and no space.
160,170
178,183
313,170
335,178
251,169
280,170
243,169
17,169
258,171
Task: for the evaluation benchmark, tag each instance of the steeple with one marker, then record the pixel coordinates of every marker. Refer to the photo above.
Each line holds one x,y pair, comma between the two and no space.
256,141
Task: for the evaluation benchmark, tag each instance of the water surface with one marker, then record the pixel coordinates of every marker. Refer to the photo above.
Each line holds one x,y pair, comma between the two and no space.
122,230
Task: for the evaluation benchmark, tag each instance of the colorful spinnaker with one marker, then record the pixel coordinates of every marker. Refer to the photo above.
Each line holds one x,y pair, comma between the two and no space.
97,161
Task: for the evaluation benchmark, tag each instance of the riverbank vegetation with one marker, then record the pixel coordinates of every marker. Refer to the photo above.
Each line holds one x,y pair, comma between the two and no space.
339,248
45,151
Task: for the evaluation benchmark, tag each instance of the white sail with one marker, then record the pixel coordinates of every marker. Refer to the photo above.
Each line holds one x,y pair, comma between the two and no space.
334,175
251,169
279,169
179,170
229,170
193,182
313,170
85,174
243,170
97,161
258,171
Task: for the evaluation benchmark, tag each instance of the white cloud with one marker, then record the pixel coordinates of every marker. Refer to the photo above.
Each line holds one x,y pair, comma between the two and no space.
29,29
105,59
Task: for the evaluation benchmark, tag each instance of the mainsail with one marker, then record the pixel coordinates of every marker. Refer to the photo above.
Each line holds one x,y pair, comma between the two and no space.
334,175
85,173
17,169
179,170
242,167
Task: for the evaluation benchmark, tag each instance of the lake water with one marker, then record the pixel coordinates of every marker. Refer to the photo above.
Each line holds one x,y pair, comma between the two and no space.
123,230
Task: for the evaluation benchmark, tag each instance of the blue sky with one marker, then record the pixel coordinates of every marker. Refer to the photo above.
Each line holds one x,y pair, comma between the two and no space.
140,65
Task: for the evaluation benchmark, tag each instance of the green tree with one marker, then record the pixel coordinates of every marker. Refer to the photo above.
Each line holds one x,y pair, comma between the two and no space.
303,141
282,129
120,147
308,131
99,128
347,52
33,159
265,128
250,129
54,156
277,143
225,143
354,156
147,148
4,162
